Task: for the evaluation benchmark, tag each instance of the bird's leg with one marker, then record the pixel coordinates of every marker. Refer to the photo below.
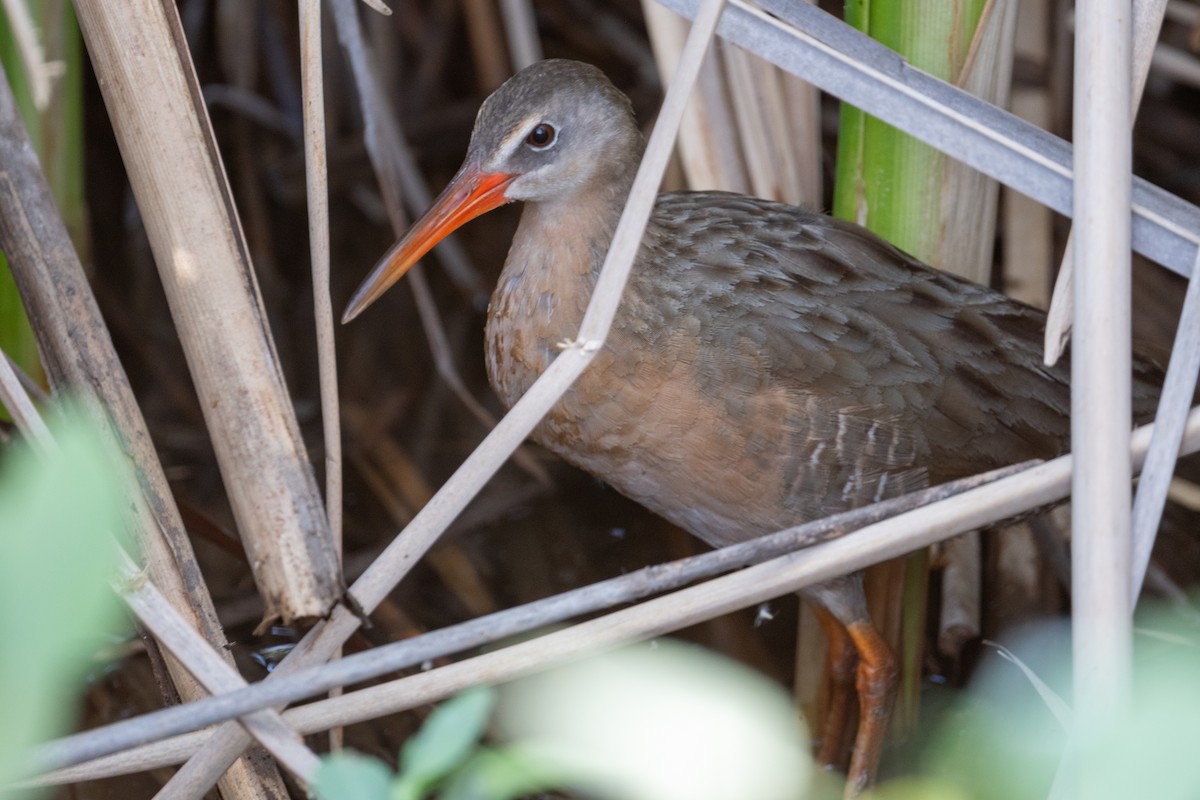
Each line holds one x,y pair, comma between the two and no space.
841,658
876,681
876,677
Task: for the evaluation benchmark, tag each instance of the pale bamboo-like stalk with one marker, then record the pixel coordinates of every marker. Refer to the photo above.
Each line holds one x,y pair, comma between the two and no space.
1147,20
195,777
176,174
1006,497
1101,615
79,357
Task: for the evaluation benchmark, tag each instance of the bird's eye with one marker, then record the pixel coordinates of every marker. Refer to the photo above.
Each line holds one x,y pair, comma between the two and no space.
541,137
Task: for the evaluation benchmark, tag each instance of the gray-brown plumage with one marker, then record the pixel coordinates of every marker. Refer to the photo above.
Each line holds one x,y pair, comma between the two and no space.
768,365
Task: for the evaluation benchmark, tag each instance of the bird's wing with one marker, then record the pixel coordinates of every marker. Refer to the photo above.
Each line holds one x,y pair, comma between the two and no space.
831,311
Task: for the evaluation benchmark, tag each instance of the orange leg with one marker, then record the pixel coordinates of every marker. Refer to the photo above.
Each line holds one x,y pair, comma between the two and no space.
877,679
838,718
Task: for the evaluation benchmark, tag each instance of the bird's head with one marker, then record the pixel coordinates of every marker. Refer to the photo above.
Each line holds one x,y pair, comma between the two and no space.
553,130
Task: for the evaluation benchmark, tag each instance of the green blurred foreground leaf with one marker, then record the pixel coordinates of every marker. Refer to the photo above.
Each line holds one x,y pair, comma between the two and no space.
1003,743
657,721
444,742
350,776
58,517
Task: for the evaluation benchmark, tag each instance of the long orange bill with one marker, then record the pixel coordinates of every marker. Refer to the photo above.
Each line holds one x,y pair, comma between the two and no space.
470,194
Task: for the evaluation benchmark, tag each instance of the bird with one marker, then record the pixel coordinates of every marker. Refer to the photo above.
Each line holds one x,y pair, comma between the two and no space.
768,364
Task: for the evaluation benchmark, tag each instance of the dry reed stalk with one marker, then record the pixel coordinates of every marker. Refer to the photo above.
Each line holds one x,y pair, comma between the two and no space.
312,79
1003,498
162,127
1028,232
1101,558
750,127
317,182
195,777
1028,225
1018,579
78,355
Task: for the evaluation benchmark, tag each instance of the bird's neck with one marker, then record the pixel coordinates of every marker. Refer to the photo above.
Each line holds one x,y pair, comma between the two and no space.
547,281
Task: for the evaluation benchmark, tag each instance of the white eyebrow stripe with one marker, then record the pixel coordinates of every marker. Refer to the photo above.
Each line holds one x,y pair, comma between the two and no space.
513,140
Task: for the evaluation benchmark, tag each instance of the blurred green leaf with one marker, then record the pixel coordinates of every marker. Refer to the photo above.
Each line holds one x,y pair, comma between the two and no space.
500,774
916,789
1004,743
59,514
444,742
351,776
660,722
